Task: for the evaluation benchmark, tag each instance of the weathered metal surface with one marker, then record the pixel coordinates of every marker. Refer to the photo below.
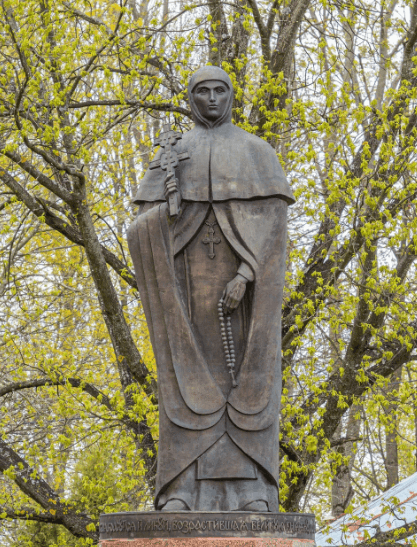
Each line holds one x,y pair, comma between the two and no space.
206,524
211,282
168,161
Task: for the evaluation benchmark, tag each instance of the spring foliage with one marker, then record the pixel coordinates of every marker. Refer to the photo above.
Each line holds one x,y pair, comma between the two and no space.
84,89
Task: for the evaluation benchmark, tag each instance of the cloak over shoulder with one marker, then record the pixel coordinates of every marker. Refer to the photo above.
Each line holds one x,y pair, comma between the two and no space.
239,164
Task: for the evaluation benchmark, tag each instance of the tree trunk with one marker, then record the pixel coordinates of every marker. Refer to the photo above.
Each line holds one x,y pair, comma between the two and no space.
342,491
391,445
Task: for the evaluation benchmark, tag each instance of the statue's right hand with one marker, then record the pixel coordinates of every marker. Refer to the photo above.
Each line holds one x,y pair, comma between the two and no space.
234,293
170,185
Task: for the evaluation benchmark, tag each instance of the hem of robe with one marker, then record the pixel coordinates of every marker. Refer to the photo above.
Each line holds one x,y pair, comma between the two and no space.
177,454
219,495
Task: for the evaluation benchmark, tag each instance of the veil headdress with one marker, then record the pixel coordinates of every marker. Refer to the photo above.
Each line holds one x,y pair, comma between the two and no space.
205,74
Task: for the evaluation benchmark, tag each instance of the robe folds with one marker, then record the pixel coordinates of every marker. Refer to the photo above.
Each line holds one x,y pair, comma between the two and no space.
198,411
218,444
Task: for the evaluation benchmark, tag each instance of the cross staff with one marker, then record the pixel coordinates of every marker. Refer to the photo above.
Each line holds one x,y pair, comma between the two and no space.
168,161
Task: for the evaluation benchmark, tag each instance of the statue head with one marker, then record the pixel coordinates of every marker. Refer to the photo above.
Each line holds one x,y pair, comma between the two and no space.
210,94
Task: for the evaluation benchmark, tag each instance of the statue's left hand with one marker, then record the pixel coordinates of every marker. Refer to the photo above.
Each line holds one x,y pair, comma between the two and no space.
233,293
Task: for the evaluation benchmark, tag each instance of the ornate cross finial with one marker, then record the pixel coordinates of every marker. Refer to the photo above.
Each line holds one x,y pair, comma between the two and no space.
168,161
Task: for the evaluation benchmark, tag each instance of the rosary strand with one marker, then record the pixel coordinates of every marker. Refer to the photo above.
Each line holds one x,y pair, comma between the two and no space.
227,338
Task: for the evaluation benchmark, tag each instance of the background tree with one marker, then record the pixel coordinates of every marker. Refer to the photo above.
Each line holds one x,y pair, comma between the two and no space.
84,88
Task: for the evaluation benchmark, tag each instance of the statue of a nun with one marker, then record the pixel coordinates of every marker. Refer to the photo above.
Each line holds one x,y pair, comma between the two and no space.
214,276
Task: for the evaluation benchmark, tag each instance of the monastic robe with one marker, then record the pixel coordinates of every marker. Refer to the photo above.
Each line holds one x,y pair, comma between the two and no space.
218,447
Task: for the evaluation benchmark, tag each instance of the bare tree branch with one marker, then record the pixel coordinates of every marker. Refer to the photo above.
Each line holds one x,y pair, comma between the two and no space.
61,381
29,482
391,538
164,107
63,227
27,513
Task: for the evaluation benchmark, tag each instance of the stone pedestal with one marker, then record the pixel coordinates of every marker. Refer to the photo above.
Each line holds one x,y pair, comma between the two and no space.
208,542
207,529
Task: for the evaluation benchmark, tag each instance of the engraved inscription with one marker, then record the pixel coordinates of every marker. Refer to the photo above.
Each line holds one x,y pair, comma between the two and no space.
132,526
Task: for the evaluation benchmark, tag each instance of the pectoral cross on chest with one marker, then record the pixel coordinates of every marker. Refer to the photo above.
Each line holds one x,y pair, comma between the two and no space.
211,240
168,160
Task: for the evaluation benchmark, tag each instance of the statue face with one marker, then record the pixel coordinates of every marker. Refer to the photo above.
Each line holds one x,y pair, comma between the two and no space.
211,98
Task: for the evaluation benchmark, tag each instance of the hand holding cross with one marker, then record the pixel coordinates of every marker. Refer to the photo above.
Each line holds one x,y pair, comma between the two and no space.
167,162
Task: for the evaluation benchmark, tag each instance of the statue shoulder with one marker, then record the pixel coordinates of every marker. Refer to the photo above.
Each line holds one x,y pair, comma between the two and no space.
253,140
189,136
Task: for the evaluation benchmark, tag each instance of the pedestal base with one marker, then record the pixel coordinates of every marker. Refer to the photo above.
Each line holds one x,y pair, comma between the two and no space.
208,542
207,529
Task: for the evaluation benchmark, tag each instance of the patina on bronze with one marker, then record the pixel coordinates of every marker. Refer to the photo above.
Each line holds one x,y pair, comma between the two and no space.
167,162
209,524
218,448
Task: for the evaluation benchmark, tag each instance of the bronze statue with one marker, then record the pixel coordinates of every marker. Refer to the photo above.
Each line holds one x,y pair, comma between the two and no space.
210,271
